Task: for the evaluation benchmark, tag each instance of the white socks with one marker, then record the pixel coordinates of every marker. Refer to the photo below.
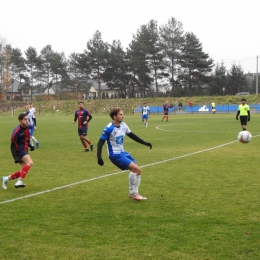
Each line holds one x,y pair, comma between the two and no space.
137,183
34,139
134,182
131,178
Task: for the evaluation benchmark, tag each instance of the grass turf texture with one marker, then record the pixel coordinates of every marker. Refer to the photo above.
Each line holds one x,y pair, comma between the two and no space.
202,203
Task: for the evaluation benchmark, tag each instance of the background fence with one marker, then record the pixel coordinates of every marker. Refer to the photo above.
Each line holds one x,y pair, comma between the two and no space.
199,109
103,107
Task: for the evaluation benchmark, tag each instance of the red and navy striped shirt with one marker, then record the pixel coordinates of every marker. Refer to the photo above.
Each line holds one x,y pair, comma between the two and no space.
20,138
81,115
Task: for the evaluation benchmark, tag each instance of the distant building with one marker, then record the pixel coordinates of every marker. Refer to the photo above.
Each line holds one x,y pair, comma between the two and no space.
15,92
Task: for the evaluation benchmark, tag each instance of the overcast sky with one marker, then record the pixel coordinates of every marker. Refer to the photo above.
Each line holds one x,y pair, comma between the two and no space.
229,30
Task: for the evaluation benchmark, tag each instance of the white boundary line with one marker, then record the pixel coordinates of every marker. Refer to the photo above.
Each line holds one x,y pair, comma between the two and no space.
161,128
115,173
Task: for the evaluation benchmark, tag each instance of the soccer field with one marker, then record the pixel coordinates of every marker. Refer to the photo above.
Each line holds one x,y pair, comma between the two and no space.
202,185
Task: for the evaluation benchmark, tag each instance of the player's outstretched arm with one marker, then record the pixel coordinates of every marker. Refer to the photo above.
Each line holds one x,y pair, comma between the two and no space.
99,151
139,140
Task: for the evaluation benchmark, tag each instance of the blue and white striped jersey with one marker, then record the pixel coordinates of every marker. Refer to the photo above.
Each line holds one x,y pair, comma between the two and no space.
114,135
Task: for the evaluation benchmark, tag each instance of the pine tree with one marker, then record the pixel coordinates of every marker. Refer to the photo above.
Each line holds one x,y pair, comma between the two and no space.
97,53
237,81
171,40
195,63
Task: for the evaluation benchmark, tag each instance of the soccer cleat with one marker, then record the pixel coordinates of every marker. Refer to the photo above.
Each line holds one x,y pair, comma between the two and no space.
136,196
139,197
86,150
4,180
91,147
37,144
19,184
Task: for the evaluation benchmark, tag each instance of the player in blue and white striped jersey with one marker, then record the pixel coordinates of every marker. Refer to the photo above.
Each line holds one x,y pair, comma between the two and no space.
113,134
32,122
145,113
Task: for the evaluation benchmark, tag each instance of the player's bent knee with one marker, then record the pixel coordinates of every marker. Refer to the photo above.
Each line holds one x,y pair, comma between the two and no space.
135,168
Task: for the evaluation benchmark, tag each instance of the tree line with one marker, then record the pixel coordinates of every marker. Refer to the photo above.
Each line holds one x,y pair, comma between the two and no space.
158,57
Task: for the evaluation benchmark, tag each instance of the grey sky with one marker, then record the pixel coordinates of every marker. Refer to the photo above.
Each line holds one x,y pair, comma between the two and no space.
227,29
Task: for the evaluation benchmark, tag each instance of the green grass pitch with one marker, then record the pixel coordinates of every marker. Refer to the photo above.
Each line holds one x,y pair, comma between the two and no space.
202,185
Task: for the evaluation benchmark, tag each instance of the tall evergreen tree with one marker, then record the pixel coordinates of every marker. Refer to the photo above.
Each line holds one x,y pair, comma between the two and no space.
117,73
74,71
150,36
219,80
237,81
47,57
82,64
97,53
17,62
137,53
195,63
32,64
171,40
59,67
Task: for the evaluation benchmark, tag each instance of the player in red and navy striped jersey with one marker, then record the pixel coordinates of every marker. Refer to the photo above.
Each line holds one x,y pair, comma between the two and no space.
166,110
20,141
83,116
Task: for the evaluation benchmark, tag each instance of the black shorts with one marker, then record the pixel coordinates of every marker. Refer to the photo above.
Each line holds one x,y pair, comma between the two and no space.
243,120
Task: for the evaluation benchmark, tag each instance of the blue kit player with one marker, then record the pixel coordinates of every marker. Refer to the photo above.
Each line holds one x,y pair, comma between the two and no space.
145,113
114,134
32,124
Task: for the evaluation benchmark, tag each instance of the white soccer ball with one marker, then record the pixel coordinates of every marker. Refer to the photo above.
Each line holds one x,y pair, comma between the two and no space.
244,137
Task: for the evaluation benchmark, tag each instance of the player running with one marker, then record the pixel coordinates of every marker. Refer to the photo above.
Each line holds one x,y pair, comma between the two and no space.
83,117
19,148
32,122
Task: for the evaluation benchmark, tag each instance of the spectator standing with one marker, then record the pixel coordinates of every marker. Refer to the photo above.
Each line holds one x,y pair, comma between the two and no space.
213,107
190,103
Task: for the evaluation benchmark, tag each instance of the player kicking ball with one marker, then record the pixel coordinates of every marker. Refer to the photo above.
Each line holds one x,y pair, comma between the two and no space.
20,141
114,134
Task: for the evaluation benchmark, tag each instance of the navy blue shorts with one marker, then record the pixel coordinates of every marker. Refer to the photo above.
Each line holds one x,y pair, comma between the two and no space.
20,154
122,160
83,131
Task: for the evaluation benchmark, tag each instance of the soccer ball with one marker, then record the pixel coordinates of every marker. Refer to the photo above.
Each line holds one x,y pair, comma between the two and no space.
244,137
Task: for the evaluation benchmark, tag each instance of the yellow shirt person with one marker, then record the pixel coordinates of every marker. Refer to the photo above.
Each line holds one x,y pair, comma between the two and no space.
213,107
244,113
